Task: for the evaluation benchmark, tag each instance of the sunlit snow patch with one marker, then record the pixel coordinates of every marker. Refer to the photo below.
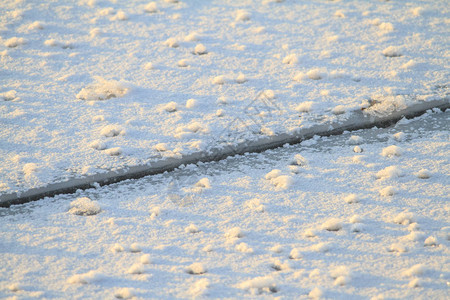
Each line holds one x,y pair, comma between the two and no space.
84,207
103,89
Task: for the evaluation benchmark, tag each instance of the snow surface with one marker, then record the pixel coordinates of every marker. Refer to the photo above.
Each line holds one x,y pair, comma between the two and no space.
76,73
144,244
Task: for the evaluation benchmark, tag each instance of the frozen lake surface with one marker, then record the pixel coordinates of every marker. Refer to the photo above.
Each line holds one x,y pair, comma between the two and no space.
356,216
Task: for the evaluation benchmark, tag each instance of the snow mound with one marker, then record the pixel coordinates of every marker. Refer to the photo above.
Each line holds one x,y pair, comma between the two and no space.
135,248
354,140
392,51
295,254
172,43
234,232
103,89
341,275
387,191
305,106
14,42
191,229
352,198
241,78
244,248
389,172
29,169
117,248
391,151
200,49
124,293
415,270
9,96
199,287
423,174
145,259
430,241
170,107
203,183
89,277
112,131
315,293
84,207
279,266
279,181
151,7
398,247
299,160
259,285
255,204
116,151
136,269
332,224
315,74
290,59
242,15
404,218
191,103
196,269
320,247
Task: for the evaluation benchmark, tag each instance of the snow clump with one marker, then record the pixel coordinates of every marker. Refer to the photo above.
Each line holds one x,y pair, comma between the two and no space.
172,43
196,269
170,107
103,89
124,293
305,106
14,42
332,224
135,248
199,287
415,270
290,59
84,207
151,7
136,269
295,254
387,191
404,218
392,151
389,172
244,248
191,229
355,140
259,285
145,259
341,274
315,293
314,74
392,51
352,198
200,49
278,180
89,277
111,131
242,15
430,241
234,232
423,174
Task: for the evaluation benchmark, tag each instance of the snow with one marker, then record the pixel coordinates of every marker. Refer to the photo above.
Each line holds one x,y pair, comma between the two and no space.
391,151
84,207
196,269
89,88
332,224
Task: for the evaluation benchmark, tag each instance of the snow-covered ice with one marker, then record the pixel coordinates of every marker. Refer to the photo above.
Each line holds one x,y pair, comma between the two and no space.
63,64
141,244
96,87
